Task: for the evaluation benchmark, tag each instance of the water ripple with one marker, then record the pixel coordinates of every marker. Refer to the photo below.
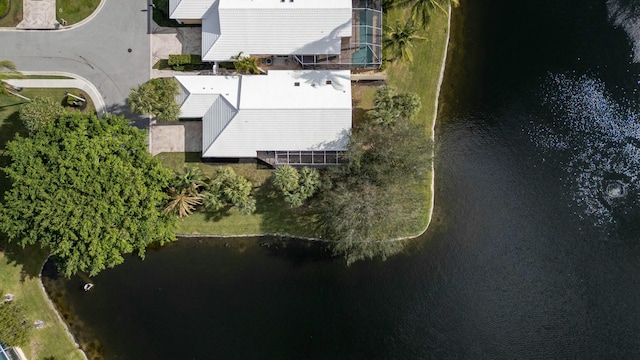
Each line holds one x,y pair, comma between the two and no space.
600,141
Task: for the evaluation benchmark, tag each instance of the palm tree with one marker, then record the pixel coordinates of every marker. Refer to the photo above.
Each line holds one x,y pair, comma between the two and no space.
398,41
182,203
190,179
246,64
7,71
421,9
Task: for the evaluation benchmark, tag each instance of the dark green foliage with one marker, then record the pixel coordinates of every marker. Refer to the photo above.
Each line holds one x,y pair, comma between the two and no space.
15,329
87,190
296,186
183,59
156,97
38,112
377,194
190,189
226,188
390,106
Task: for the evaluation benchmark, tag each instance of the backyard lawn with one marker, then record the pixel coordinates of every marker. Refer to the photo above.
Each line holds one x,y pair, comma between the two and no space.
422,77
272,214
19,270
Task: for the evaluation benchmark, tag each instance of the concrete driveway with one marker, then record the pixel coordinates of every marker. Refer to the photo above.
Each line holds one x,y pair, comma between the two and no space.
112,50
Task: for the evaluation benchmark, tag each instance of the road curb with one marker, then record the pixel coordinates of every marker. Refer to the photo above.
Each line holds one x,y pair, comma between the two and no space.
91,89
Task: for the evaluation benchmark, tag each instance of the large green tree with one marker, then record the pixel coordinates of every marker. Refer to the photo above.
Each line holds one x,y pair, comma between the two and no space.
378,194
157,98
15,329
87,190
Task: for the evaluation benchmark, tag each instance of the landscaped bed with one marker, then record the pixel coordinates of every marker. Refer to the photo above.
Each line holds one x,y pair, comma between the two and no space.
272,215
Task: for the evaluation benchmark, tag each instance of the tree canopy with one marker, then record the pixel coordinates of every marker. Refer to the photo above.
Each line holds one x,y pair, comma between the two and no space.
87,190
156,97
14,326
379,193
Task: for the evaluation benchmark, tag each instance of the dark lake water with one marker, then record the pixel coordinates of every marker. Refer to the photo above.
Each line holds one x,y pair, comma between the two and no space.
534,249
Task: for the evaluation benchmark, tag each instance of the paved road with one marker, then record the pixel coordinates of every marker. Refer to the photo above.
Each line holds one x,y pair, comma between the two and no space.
97,50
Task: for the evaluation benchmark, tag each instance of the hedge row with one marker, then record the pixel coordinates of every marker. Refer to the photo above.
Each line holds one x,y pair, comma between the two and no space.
184,59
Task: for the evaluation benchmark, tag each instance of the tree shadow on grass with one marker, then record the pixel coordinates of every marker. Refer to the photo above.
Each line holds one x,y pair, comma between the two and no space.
10,127
279,218
31,258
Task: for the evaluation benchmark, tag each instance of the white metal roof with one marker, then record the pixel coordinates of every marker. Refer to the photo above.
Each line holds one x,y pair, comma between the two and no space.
284,110
189,9
301,27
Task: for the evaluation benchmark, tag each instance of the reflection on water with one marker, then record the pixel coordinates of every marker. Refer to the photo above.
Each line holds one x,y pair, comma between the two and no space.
600,141
626,14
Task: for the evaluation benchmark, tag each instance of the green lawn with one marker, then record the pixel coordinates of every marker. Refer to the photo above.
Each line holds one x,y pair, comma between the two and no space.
422,77
19,270
74,11
14,15
272,214
4,7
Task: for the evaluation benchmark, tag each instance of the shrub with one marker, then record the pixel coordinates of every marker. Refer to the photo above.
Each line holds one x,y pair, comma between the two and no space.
38,112
183,59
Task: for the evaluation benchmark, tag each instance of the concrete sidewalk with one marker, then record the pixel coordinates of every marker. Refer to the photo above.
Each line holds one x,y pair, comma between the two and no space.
76,82
38,14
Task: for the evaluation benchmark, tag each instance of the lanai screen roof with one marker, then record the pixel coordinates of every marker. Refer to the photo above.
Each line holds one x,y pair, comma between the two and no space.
274,27
284,110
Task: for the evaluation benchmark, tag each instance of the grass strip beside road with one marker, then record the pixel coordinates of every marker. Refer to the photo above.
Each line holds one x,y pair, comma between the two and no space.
4,7
14,16
74,11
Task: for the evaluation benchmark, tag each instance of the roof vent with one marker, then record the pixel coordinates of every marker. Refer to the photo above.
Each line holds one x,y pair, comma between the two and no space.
296,84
